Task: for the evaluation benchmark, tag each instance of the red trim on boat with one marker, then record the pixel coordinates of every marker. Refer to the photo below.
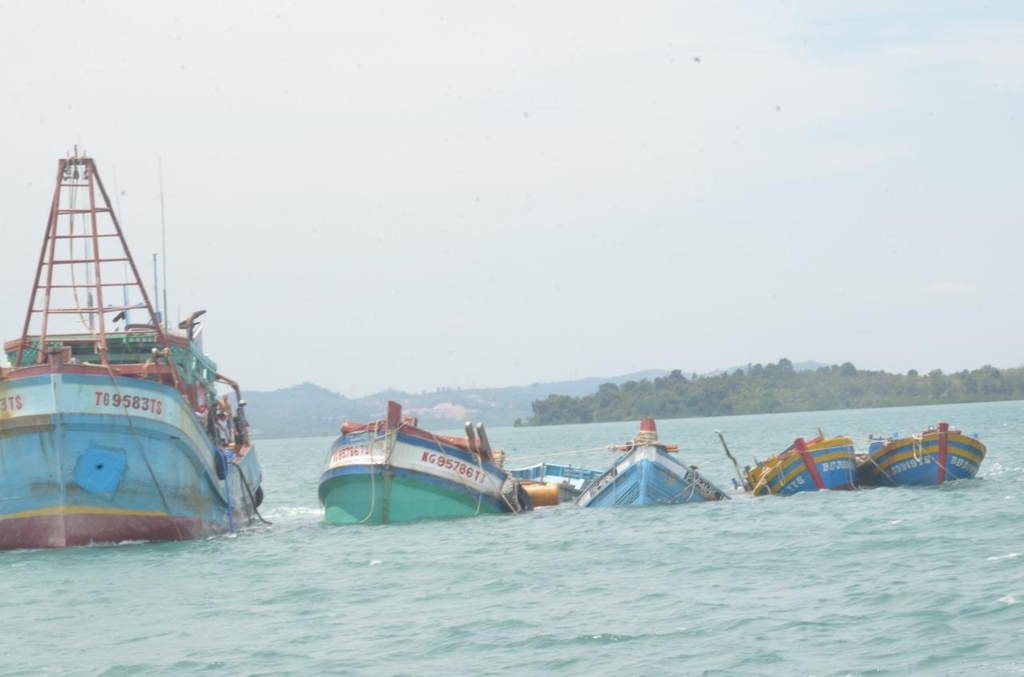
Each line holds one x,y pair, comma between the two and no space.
647,425
61,531
394,415
394,421
943,451
809,463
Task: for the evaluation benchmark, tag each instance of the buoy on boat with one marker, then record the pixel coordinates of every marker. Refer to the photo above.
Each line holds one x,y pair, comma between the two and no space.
648,431
542,493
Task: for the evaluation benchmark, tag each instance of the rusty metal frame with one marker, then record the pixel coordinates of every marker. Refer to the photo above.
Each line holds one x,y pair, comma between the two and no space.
67,178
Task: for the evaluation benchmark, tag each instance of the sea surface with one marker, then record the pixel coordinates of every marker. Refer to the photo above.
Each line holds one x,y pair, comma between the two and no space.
909,581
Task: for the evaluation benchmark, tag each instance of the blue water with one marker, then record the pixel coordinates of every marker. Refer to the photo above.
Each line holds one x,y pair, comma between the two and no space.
875,582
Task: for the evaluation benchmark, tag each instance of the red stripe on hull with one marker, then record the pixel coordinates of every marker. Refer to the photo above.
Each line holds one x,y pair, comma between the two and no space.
812,468
62,531
943,451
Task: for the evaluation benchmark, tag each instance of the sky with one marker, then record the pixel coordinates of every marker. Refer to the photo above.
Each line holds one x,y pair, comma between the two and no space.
416,195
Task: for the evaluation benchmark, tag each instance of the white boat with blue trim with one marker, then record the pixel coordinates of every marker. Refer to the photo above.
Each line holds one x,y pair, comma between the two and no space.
648,473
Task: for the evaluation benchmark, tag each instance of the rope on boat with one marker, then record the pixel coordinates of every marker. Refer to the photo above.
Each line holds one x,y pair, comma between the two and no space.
480,492
607,447
919,452
761,481
252,499
145,458
693,489
881,469
373,476
918,446
222,458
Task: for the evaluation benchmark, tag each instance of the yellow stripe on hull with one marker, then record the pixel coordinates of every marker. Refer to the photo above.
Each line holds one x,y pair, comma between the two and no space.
82,510
821,459
792,465
973,458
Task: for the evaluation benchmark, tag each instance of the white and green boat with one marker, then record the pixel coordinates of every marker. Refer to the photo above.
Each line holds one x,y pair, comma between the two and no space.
390,470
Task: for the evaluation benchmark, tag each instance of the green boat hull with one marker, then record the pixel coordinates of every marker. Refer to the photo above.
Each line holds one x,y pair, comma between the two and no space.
384,499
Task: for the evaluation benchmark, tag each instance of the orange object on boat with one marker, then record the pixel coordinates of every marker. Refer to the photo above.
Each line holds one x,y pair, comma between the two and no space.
542,493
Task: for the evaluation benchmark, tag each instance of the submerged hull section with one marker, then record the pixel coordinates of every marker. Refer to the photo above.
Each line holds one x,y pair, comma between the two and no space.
89,458
648,475
926,460
825,465
552,483
374,478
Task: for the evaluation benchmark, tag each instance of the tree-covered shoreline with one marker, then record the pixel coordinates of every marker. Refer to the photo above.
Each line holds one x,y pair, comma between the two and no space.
776,388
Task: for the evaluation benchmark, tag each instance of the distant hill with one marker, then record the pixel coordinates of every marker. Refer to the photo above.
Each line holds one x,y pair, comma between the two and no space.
776,388
797,366
308,410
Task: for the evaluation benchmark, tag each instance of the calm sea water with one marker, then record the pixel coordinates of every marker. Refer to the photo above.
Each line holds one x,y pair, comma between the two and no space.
876,582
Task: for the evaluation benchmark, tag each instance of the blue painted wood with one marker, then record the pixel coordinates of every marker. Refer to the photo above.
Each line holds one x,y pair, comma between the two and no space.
917,461
649,475
75,472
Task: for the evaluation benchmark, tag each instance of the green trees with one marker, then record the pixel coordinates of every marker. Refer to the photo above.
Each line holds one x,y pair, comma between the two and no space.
774,388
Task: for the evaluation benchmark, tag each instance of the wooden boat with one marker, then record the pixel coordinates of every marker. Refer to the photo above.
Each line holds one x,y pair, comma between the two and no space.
813,465
552,483
937,455
393,471
112,431
648,474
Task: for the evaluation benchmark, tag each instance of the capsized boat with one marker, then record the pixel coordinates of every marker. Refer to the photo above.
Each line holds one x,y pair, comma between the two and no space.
110,424
811,465
553,483
391,470
937,455
648,474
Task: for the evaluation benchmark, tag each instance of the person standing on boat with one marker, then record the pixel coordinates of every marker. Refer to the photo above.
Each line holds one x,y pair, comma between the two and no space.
221,417
210,421
241,428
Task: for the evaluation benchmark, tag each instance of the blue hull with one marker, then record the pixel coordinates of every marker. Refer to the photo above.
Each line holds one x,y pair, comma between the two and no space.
923,461
649,476
824,465
71,476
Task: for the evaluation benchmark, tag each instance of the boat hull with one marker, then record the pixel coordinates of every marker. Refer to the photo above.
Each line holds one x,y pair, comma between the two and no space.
648,475
922,461
75,469
385,478
826,465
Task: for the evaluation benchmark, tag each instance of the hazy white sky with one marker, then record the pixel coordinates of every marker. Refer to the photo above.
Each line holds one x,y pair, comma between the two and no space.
415,195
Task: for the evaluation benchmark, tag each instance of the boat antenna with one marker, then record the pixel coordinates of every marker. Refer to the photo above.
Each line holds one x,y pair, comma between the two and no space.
156,290
743,480
163,232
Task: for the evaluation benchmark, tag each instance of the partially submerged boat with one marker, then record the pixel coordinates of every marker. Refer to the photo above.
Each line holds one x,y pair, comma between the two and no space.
937,455
391,470
553,483
812,465
110,424
648,474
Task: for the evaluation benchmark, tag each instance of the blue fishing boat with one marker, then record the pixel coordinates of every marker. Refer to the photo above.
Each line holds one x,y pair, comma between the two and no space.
111,428
553,483
814,465
937,455
648,474
391,470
